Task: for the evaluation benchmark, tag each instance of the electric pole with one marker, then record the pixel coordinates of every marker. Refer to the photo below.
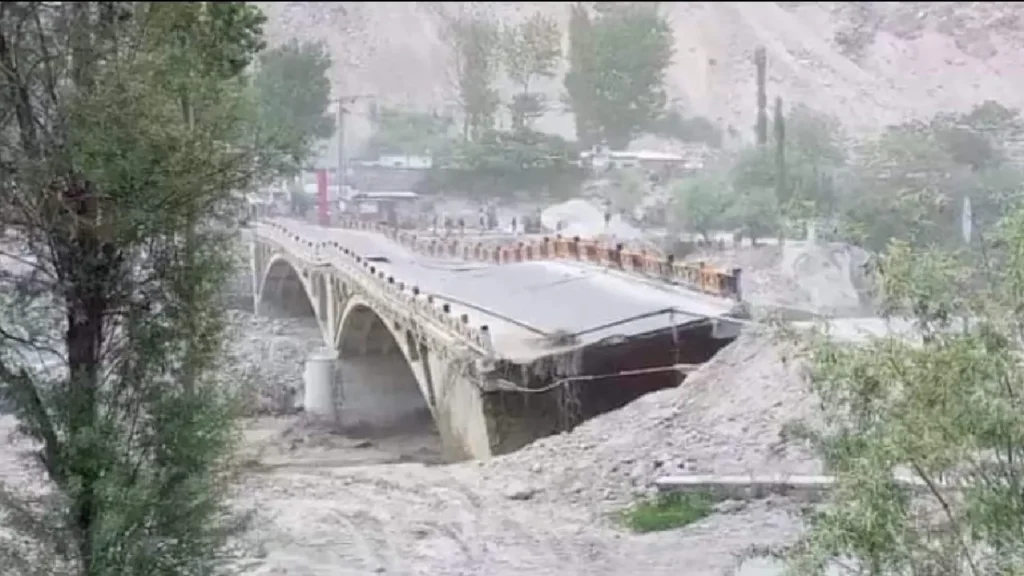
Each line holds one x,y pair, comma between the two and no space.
340,180
341,103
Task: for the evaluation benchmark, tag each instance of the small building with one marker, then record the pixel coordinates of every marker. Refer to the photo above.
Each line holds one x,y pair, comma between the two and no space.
395,208
405,161
601,159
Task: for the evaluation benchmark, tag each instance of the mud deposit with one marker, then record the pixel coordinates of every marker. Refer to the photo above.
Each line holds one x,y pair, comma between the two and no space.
331,504
336,501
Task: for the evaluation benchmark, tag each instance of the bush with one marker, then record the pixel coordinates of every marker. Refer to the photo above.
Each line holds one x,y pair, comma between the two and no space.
667,511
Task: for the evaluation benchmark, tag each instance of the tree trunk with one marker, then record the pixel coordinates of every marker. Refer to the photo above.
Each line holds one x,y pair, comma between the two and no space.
86,267
761,63
83,338
782,195
19,94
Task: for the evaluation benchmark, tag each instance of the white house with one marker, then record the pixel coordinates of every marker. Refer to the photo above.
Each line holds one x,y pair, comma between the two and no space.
408,161
601,159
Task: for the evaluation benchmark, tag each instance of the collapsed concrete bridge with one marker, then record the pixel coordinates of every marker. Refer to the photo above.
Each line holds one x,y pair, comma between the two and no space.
504,344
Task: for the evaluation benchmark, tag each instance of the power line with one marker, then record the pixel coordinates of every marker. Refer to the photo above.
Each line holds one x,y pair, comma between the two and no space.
681,368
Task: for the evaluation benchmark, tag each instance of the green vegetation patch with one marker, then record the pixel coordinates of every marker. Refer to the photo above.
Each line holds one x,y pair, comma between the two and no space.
666,511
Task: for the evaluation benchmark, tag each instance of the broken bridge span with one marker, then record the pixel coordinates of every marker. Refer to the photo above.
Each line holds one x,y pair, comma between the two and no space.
505,344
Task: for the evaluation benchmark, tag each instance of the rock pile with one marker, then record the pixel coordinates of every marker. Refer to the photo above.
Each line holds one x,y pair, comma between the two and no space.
727,418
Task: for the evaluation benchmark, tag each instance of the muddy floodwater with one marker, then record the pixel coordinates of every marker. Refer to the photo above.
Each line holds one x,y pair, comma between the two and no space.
297,442
375,496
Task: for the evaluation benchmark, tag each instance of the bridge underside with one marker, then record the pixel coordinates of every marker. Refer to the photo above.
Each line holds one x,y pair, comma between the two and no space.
376,389
283,294
380,391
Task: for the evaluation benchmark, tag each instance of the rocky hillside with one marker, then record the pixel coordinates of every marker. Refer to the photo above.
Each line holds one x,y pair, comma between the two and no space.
870,64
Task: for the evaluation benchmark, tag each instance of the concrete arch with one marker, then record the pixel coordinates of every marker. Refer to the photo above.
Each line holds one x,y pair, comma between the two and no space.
279,281
448,399
363,331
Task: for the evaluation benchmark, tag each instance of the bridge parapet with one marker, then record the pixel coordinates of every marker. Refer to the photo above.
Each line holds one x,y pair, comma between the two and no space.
330,253
694,275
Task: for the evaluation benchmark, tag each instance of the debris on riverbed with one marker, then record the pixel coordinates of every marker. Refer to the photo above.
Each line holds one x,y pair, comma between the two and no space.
726,418
332,503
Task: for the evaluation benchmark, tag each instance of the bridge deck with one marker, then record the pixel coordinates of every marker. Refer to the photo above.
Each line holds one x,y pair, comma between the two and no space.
524,303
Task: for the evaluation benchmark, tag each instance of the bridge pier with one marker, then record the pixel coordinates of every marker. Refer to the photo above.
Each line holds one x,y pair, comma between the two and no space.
330,321
391,378
321,382
460,410
257,269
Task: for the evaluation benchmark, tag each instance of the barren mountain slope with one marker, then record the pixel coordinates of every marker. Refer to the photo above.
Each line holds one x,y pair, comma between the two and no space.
871,64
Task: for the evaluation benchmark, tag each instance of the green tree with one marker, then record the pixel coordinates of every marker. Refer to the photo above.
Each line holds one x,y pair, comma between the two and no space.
131,133
629,187
906,187
501,163
782,188
993,192
975,139
803,177
397,131
910,183
674,124
475,44
581,78
700,205
753,206
618,58
925,430
293,94
530,50
761,67
815,161
818,137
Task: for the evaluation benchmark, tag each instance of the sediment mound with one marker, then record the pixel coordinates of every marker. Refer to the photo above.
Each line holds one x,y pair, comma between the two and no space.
727,418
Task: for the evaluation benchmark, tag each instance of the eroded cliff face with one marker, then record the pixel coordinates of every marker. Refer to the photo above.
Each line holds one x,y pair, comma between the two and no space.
870,64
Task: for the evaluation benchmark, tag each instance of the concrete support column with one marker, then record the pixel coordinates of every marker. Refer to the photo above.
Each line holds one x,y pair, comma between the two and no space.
256,267
319,376
332,311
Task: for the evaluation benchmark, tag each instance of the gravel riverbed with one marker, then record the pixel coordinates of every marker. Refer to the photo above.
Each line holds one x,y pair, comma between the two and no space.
332,504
